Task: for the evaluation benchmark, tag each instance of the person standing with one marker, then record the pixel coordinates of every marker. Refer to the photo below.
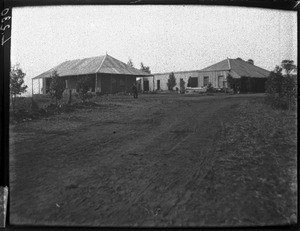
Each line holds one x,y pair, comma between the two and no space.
135,91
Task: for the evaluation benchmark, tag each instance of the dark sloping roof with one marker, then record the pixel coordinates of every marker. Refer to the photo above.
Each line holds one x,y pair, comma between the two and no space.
220,66
243,68
100,64
240,67
114,66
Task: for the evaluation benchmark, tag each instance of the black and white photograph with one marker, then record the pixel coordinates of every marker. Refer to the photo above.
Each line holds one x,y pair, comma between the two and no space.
152,116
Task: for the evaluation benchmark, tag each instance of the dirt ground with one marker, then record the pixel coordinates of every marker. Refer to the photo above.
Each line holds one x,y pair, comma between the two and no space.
126,162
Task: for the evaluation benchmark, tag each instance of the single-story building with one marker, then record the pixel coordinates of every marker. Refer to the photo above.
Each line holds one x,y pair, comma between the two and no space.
215,74
108,75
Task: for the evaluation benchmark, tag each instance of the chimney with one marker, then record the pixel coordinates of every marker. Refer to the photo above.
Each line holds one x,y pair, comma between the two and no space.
250,61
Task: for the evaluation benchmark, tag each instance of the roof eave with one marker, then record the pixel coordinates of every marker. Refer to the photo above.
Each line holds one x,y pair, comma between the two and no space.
136,75
214,70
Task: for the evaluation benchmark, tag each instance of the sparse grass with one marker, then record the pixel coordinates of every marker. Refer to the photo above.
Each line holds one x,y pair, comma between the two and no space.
45,107
254,180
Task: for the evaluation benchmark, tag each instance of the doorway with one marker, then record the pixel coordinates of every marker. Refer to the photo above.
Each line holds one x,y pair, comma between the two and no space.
146,85
158,84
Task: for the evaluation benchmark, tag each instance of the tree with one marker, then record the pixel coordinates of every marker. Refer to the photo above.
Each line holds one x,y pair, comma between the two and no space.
57,87
83,86
130,63
274,81
171,81
16,85
289,87
145,68
288,66
277,69
282,89
182,86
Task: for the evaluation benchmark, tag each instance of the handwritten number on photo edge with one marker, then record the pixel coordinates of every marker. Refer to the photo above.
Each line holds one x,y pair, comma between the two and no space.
6,26
4,41
6,10
5,18
3,28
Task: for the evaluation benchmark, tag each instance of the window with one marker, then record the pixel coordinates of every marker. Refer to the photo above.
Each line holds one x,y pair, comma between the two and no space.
194,81
205,81
221,81
158,84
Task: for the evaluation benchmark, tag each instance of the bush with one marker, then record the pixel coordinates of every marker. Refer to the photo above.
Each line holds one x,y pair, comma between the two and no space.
57,87
234,83
182,86
83,87
171,81
98,94
210,88
16,85
281,90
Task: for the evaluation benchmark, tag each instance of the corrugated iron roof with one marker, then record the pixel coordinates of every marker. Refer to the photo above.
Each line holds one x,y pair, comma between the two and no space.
100,64
220,66
243,68
114,66
240,67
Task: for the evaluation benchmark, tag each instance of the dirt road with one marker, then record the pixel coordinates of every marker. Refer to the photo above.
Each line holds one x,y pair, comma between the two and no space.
125,163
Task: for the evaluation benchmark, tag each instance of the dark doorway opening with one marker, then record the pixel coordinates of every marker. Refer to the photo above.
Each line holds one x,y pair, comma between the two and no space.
158,84
146,85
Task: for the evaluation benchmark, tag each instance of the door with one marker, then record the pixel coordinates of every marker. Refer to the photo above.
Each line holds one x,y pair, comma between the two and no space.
158,84
146,85
221,81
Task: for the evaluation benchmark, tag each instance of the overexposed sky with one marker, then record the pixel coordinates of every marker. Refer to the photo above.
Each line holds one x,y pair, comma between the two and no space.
166,38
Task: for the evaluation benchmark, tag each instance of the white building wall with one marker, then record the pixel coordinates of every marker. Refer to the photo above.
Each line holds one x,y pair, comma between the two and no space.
212,75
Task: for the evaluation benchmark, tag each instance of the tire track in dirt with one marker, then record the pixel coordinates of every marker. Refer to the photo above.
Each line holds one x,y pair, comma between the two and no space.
198,173
164,158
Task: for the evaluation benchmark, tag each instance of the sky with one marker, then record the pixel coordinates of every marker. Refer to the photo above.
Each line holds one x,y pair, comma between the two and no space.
166,38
